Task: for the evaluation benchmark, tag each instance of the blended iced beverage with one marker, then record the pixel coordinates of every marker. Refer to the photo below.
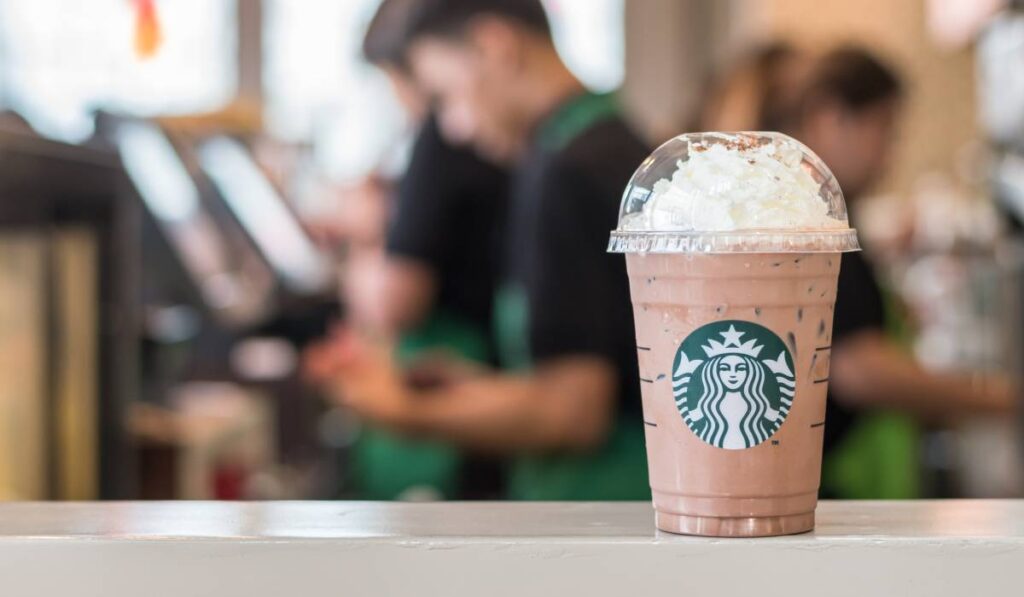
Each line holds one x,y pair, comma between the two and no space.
733,246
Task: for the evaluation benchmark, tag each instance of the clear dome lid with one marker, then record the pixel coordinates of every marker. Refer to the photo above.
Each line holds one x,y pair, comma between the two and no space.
748,192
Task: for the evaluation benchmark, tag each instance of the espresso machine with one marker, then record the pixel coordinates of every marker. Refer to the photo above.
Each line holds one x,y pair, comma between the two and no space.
1000,56
232,290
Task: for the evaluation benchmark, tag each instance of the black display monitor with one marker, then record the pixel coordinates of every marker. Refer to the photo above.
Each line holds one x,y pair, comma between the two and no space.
265,215
232,278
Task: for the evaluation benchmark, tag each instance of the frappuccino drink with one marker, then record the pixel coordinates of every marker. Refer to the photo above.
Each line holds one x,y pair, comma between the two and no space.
733,246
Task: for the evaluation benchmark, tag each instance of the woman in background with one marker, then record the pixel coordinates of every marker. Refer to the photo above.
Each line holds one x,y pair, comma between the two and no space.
845,105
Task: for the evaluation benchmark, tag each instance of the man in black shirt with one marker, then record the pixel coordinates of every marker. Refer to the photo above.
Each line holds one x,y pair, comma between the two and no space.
442,241
569,414
433,289
446,224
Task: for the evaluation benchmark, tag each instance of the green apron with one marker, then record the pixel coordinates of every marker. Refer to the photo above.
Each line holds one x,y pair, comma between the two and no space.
878,459
385,465
618,469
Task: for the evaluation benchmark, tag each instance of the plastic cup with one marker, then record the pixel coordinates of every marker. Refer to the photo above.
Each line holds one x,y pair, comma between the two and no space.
733,318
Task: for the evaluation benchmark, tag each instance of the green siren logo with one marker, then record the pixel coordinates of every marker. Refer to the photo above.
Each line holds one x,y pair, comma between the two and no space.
733,383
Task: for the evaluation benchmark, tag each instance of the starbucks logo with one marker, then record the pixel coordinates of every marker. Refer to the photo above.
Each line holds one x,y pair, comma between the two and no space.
733,383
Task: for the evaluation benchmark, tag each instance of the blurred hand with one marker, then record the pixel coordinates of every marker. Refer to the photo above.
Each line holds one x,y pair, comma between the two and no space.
438,369
318,361
361,375
869,371
435,369
363,290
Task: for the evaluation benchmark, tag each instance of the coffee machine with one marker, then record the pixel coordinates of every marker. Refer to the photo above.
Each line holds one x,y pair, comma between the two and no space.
232,290
1000,56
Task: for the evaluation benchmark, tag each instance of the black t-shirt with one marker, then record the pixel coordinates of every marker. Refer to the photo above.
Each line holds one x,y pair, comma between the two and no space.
448,217
859,307
565,204
448,214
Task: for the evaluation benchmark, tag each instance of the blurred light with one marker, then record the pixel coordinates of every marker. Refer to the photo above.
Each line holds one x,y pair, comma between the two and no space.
173,324
60,60
148,36
263,213
318,88
955,23
312,60
264,359
591,37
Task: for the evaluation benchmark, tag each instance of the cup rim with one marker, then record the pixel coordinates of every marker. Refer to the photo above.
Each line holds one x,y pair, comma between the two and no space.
738,241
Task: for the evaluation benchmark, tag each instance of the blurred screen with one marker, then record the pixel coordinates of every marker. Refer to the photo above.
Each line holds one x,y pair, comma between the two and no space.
228,277
158,173
263,213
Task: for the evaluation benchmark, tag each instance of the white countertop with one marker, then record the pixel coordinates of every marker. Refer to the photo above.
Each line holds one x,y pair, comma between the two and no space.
355,548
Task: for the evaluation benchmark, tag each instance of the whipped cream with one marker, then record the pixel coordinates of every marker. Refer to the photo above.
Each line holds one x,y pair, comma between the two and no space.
723,187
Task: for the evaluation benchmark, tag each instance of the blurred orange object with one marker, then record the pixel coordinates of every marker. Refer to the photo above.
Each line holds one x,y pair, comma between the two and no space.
147,29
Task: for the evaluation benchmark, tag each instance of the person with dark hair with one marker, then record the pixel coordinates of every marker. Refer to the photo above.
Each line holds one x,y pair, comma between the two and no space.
567,410
442,240
433,289
847,112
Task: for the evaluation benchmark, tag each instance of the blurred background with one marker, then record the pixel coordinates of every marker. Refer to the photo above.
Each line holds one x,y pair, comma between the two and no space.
183,184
